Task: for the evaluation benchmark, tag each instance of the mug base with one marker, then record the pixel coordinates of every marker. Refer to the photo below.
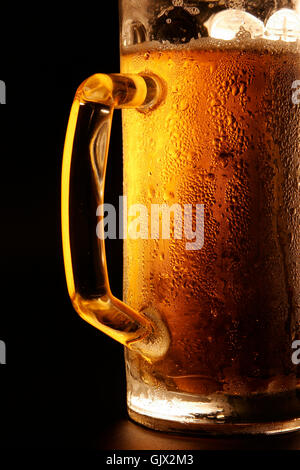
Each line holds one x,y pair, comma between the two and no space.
217,414
205,427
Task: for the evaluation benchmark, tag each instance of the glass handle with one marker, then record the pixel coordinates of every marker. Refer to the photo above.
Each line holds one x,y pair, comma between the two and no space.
83,179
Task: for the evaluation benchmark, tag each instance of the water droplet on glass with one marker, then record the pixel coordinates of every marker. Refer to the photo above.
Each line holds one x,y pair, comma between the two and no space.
234,90
242,88
183,105
212,68
151,192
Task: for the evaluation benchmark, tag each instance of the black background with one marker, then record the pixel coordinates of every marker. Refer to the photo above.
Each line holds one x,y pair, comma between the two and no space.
62,377
64,382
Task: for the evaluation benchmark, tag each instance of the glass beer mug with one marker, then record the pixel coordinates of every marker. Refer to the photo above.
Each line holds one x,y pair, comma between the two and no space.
210,315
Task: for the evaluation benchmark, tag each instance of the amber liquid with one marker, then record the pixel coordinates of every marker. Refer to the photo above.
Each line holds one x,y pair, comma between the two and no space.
226,136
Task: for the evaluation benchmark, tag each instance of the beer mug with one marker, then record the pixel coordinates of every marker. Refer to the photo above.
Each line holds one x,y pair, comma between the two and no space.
210,315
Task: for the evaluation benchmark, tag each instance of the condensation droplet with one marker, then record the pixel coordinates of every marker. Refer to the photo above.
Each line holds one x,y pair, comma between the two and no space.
151,192
183,105
234,90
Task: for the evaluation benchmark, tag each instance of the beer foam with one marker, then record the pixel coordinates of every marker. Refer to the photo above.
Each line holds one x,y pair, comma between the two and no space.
211,44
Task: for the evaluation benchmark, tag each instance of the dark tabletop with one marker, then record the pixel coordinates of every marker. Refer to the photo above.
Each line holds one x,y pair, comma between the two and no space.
124,435
78,409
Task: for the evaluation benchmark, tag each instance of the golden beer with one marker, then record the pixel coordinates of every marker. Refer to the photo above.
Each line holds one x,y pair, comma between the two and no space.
226,135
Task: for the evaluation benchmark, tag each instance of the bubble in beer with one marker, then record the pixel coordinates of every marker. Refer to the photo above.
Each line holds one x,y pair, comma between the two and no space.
133,32
284,24
228,23
176,25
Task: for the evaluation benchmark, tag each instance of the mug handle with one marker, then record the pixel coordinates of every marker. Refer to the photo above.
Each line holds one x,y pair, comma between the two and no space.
82,191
